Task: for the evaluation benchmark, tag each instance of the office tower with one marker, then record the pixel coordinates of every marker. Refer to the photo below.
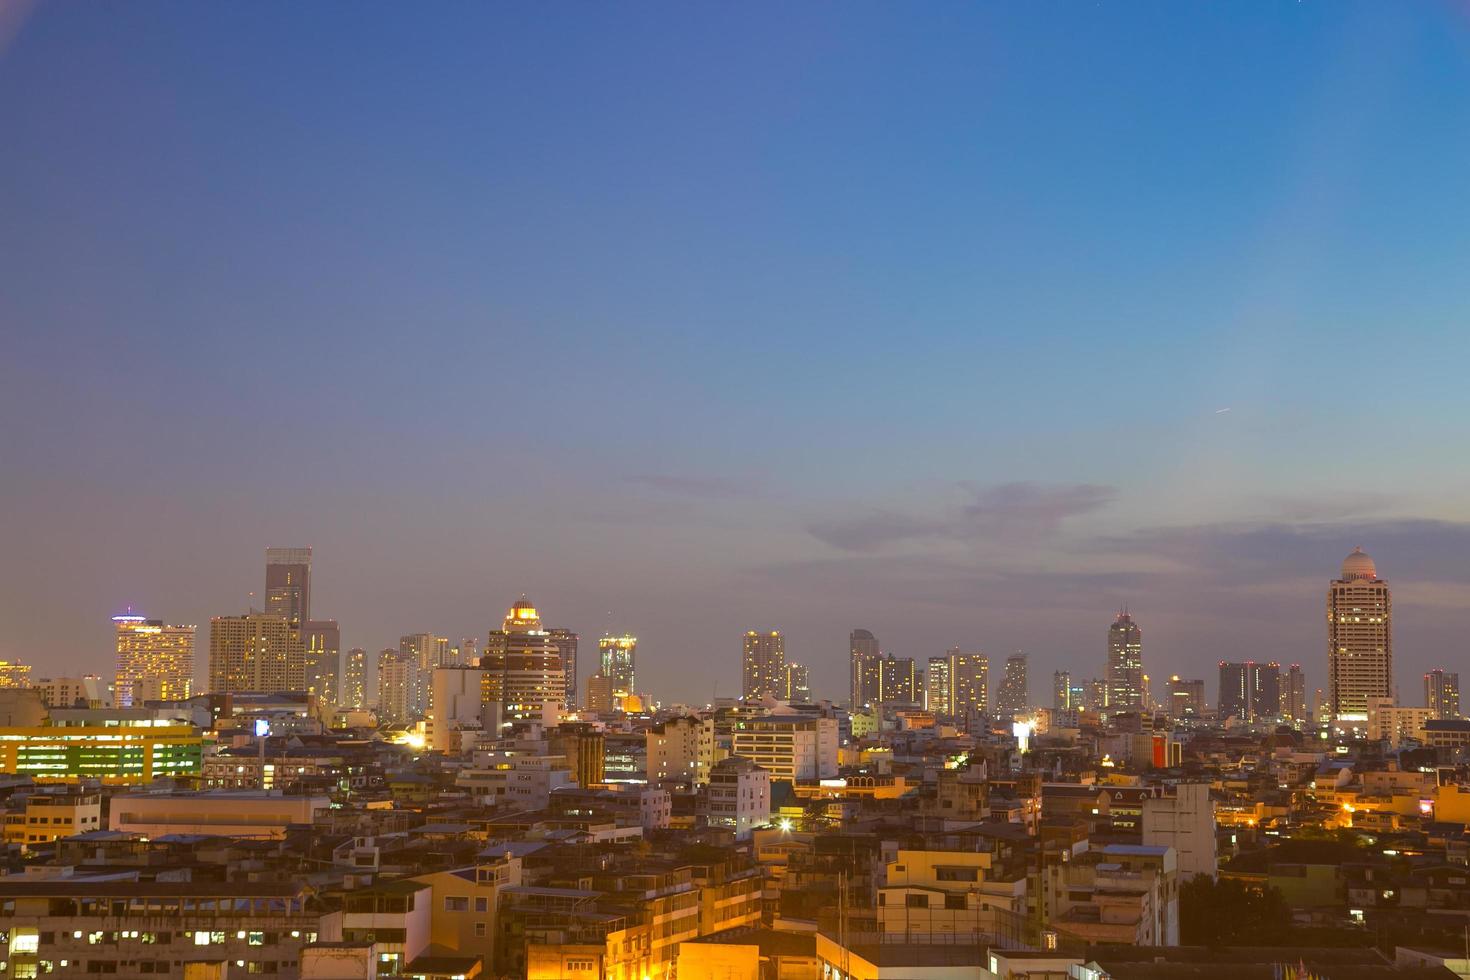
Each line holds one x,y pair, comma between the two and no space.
798,686
399,687
865,669
565,642
898,683
938,687
1186,698
1266,690
1442,692
255,653
763,665
288,584
1013,694
1294,697
617,660
1249,690
1061,690
523,667
155,661
1359,638
354,679
1125,665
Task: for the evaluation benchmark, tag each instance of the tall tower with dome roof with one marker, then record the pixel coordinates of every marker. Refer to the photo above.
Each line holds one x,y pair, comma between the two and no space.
1359,638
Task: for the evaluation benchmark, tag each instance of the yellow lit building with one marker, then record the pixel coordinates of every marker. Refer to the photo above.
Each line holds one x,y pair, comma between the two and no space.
616,659
115,747
255,653
155,661
50,817
14,674
523,666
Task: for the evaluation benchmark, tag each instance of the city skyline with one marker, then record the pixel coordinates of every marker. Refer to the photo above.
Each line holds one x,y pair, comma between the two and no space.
933,210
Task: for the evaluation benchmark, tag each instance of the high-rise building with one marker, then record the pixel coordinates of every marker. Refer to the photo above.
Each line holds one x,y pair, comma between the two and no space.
155,661
256,652
600,695
1442,692
617,660
354,679
969,684
763,665
939,687
565,642
1061,690
288,584
1186,698
1125,665
865,670
399,686
1014,693
1095,694
524,673
1249,690
898,683
1294,696
798,684
423,649
1359,638
323,641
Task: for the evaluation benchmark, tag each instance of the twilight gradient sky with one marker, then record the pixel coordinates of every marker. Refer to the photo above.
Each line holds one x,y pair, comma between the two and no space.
687,319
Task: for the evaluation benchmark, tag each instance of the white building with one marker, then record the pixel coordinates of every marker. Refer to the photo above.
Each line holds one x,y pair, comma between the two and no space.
738,795
455,706
1396,724
791,747
1184,821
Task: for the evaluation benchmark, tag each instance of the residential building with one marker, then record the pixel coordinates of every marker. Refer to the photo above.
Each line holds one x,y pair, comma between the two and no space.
898,684
938,687
398,687
1294,697
1061,691
255,652
791,747
565,642
87,691
1185,821
763,665
523,667
1442,692
798,686
681,750
1013,696
1397,724
738,796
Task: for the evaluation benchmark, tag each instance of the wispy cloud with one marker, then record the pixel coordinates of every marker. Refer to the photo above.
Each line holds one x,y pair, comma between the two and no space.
1006,512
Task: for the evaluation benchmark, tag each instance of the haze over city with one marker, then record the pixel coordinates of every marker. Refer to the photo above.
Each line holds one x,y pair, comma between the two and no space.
684,321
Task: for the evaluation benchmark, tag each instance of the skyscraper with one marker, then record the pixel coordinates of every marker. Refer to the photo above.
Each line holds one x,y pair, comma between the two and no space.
255,653
763,665
1014,693
1061,690
155,661
969,679
1294,697
938,686
1359,638
399,686
523,668
1442,693
617,660
423,650
1186,698
323,642
288,584
1125,665
865,673
1249,690
898,681
354,679
798,684
566,645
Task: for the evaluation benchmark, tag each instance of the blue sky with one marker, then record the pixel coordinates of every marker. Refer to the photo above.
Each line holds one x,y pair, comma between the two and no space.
687,319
